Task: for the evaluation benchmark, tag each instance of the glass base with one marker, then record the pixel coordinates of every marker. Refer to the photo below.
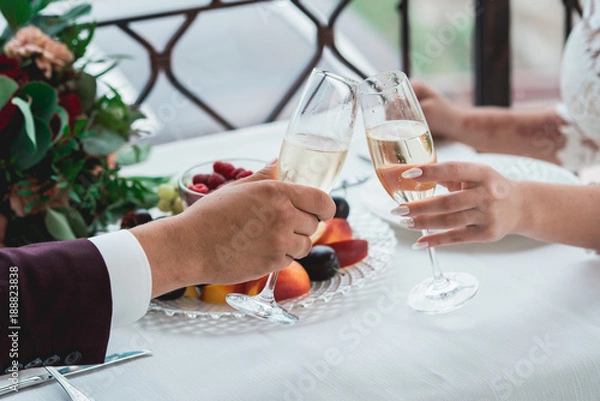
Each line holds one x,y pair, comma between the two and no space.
439,297
261,308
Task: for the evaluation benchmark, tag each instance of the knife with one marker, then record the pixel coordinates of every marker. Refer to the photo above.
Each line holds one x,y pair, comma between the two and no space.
73,370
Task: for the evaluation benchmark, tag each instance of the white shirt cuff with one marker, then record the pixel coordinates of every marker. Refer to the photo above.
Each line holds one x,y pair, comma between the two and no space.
130,275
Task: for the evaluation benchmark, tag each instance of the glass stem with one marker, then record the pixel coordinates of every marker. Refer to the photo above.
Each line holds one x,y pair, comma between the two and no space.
438,276
267,293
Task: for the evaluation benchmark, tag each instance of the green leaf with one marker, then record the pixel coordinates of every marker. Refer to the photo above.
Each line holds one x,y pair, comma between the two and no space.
132,154
76,222
16,12
78,11
6,34
29,207
103,143
39,5
77,37
26,192
58,225
64,124
109,68
44,100
87,91
28,139
25,159
8,87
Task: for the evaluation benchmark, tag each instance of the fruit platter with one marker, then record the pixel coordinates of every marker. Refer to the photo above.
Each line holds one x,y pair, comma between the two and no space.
347,251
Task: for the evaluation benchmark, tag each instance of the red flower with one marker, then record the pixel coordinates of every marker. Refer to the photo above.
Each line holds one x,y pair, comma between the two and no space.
70,102
11,120
10,68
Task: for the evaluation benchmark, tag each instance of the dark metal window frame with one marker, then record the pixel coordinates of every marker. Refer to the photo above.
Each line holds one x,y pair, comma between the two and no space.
491,52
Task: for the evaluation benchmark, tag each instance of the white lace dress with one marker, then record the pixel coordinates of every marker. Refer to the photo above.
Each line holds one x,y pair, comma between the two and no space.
580,91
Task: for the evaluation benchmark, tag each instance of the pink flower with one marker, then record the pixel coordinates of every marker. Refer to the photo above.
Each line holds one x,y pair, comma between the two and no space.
48,54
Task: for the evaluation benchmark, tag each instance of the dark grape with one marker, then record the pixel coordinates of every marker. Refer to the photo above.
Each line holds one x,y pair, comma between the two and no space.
135,218
342,208
321,263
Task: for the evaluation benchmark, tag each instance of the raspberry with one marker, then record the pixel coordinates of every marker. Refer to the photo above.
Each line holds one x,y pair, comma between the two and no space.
242,174
214,180
236,172
200,179
200,188
225,169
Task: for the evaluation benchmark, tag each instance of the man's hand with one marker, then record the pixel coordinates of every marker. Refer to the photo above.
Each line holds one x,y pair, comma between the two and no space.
240,232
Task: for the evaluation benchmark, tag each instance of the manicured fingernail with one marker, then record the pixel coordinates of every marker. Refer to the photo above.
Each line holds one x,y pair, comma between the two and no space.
401,211
407,222
272,163
412,173
420,245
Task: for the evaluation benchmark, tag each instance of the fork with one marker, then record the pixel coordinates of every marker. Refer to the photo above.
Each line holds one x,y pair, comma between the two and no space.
74,393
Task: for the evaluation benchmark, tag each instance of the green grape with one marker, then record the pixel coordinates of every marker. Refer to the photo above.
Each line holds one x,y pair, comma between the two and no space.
177,206
164,205
167,191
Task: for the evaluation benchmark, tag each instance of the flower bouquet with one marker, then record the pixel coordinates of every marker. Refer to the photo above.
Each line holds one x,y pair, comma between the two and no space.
61,143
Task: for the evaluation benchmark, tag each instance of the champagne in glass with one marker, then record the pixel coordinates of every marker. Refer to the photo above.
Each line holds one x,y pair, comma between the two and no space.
395,147
399,139
313,152
312,160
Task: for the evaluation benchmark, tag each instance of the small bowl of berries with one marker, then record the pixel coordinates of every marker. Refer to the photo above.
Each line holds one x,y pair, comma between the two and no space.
205,178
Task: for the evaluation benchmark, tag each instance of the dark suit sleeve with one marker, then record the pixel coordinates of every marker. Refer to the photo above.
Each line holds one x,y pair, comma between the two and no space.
64,303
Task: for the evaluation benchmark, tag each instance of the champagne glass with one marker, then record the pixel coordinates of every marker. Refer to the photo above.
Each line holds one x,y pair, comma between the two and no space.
399,139
313,152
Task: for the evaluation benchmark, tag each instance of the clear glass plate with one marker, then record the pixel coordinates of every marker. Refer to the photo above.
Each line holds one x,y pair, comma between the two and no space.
382,242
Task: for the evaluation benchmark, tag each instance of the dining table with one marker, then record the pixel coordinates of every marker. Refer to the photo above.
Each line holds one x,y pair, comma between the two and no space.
531,333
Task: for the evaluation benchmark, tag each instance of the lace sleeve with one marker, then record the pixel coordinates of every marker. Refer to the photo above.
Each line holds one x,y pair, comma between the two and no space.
579,150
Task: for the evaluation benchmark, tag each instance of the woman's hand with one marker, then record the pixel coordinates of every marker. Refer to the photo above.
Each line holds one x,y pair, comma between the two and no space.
443,117
482,206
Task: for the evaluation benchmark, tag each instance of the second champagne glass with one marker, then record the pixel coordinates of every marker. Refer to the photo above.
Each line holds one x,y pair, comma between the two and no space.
313,152
399,139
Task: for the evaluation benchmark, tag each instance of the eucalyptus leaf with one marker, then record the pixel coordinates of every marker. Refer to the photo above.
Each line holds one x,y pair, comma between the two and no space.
44,100
58,225
102,143
64,124
78,11
27,135
25,159
16,12
8,87
52,25
87,91
76,222
132,154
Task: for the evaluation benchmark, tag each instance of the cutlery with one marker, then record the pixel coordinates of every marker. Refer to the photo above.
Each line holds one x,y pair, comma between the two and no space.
68,371
74,393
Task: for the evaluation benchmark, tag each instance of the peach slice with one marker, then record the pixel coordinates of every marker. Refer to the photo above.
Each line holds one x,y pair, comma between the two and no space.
292,282
191,291
336,230
321,228
215,293
350,251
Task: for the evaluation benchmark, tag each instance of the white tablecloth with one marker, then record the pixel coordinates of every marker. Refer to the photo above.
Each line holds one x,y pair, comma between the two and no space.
532,332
